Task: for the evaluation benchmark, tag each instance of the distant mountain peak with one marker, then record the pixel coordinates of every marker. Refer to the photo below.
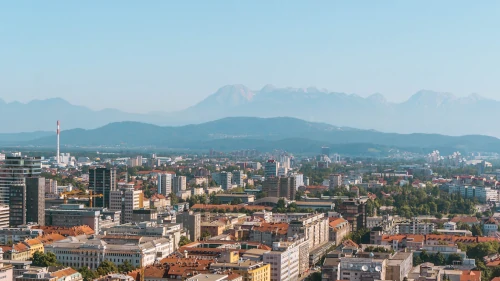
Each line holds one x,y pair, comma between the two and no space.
377,97
430,98
268,88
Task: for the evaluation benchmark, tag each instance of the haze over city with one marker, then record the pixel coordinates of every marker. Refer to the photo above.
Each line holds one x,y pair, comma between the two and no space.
249,140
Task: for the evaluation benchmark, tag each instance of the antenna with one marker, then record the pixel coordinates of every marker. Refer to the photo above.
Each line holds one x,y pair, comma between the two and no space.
57,153
364,268
378,268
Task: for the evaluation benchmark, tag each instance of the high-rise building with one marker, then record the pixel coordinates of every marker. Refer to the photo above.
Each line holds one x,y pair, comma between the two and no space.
271,168
335,181
237,177
289,260
226,180
14,170
50,186
102,181
179,183
285,161
280,187
191,222
354,211
125,200
22,189
165,183
325,150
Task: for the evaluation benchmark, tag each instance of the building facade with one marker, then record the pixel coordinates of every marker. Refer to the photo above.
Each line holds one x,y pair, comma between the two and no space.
102,181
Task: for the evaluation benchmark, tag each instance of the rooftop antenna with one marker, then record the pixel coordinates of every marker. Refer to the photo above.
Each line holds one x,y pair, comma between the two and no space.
58,132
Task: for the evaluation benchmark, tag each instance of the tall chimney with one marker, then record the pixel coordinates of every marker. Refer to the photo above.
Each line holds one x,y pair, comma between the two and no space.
58,157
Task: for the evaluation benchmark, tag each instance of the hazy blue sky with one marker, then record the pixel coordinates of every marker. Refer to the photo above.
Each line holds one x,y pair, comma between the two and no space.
166,55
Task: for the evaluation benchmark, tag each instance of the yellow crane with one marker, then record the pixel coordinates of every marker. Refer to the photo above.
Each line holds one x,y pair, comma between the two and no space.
80,194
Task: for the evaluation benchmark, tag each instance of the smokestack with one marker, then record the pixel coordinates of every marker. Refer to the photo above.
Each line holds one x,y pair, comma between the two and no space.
58,155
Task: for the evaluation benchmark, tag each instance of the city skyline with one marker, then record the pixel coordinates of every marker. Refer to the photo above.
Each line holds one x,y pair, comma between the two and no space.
176,54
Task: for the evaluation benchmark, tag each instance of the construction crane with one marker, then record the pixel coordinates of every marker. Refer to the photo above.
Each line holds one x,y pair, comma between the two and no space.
80,194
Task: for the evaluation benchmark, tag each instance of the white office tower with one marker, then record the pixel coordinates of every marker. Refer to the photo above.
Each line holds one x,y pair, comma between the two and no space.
165,183
299,180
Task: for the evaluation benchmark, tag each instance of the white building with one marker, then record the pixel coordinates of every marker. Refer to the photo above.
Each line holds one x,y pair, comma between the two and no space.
80,252
288,260
125,200
335,180
357,269
165,183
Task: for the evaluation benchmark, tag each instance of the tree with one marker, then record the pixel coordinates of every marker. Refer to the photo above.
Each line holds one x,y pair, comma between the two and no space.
126,266
439,259
454,257
184,241
476,230
205,234
87,274
236,201
43,260
173,199
106,267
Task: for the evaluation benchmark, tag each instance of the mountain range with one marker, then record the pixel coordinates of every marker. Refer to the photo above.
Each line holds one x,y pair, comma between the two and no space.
424,112
264,134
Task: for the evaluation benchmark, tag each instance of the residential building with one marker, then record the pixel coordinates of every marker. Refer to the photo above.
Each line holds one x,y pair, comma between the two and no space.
339,229
6,271
237,177
50,186
314,227
280,187
17,234
45,274
354,211
249,270
490,227
212,229
80,251
4,216
125,200
179,184
102,181
165,183
481,193
362,269
271,169
191,221
289,260
268,233
335,181
415,226
226,180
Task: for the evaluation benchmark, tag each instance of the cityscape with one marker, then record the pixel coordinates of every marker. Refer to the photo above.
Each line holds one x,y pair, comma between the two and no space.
249,141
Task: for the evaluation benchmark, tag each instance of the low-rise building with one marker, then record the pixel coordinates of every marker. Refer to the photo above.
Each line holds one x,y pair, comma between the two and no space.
228,198
249,270
339,229
90,252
